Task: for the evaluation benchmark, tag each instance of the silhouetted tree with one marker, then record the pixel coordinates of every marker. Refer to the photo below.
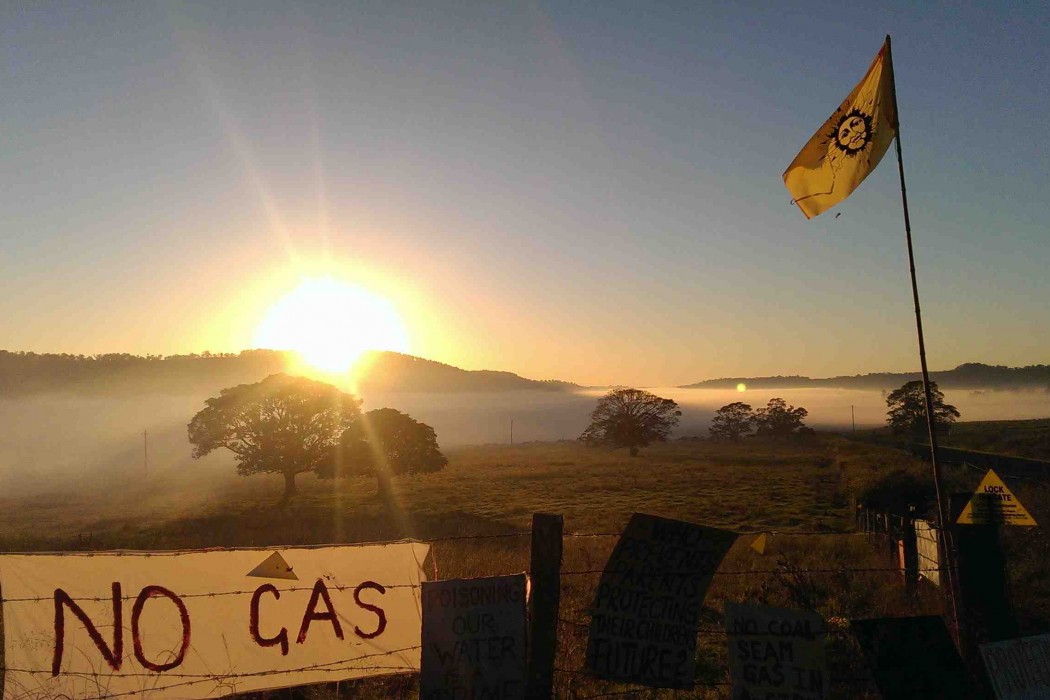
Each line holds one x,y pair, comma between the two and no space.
281,425
907,410
631,418
384,443
732,422
778,419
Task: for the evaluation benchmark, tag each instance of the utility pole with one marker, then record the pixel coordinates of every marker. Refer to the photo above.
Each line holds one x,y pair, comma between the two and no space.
512,431
145,454
853,415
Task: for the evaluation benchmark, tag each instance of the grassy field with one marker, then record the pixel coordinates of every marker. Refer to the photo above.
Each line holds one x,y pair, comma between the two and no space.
784,487
1017,438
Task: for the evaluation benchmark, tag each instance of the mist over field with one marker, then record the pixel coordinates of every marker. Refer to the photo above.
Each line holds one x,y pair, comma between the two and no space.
93,447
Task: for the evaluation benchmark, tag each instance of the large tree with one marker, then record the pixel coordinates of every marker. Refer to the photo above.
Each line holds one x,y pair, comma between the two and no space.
732,422
384,443
281,425
907,410
631,418
778,419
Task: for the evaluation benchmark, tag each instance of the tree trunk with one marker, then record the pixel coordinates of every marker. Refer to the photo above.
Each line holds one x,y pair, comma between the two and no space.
384,486
634,450
289,490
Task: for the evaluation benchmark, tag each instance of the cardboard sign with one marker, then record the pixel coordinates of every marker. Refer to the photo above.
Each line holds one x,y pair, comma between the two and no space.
1019,669
913,657
776,653
994,504
645,614
474,639
207,624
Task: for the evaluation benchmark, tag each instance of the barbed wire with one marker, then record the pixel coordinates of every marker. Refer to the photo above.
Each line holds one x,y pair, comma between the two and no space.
800,570
145,553
214,594
328,666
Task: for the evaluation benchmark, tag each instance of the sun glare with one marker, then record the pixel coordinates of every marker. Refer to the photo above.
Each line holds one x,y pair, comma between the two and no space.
741,387
330,323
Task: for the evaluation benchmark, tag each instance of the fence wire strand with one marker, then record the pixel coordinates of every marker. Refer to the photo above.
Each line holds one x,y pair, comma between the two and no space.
345,665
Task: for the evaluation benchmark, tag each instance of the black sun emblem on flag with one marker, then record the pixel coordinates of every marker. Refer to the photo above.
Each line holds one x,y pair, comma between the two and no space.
853,132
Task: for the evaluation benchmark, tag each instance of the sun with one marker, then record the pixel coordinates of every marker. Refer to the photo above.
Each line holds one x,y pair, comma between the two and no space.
330,323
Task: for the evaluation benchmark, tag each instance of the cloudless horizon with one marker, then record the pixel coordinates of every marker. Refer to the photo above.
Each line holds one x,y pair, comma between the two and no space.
590,193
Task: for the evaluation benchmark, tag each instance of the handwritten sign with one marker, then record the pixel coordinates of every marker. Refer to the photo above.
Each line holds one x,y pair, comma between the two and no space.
645,613
1019,669
207,624
474,639
776,653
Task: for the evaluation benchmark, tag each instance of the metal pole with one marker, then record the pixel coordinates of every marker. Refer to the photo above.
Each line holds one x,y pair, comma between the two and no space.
853,415
942,501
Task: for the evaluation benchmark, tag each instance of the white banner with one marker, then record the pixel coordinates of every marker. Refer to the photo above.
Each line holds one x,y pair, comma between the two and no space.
207,623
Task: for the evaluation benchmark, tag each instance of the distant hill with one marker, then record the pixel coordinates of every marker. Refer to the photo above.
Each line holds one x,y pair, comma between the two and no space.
972,375
392,371
26,373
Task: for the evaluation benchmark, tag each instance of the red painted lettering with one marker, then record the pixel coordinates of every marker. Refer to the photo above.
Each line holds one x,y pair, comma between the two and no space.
381,625
136,633
253,621
113,656
320,591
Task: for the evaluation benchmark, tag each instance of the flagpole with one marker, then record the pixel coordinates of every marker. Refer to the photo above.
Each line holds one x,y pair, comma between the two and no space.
942,504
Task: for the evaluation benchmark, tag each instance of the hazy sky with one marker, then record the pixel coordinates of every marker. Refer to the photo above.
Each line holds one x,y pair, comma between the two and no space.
587,191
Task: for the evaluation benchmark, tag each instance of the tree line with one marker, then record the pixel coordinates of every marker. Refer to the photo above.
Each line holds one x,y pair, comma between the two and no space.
633,418
293,425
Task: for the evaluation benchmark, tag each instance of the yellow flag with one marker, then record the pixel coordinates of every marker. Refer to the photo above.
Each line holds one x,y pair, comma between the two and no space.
849,145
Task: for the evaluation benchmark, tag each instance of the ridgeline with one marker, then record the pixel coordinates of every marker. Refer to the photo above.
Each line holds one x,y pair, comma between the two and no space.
28,373
971,375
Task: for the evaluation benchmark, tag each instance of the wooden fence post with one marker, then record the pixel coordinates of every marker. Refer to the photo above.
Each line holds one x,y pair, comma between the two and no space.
546,596
891,540
911,556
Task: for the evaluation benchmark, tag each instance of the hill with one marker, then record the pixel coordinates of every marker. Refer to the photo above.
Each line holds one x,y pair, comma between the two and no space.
395,372
971,375
27,373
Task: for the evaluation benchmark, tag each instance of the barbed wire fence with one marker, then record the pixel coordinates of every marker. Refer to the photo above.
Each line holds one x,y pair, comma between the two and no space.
572,682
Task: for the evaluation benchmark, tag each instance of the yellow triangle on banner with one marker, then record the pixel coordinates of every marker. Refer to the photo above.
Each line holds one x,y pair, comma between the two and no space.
274,566
994,504
759,543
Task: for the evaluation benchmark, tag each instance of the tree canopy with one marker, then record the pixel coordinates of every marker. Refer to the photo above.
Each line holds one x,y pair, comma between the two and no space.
384,443
907,410
778,419
281,425
732,422
631,418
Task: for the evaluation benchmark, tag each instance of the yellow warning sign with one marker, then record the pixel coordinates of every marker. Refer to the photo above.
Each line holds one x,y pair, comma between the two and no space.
759,543
274,566
994,504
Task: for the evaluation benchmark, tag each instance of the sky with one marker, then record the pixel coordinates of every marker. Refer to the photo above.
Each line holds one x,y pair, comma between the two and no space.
582,191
